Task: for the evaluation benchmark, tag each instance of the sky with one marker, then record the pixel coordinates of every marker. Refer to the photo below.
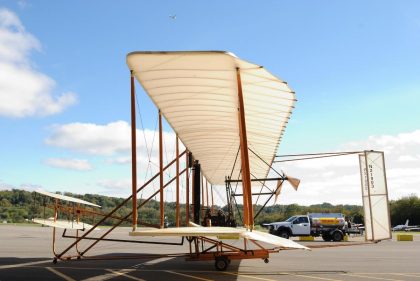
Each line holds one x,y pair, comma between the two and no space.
64,88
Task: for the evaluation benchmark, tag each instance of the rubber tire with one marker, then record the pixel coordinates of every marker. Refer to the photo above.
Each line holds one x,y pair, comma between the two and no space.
337,236
221,263
266,260
283,234
326,237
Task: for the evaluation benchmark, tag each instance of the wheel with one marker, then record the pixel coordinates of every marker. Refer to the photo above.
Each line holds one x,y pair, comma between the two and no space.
221,263
326,237
283,234
337,236
54,260
266,260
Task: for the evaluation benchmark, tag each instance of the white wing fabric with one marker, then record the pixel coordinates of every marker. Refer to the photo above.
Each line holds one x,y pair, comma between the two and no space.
197,93
66,198
64,224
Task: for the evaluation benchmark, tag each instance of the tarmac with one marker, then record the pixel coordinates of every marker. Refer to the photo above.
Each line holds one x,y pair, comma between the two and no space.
26,254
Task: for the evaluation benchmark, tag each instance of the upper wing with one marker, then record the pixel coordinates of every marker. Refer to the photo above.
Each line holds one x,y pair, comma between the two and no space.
197,93
66,198
220,232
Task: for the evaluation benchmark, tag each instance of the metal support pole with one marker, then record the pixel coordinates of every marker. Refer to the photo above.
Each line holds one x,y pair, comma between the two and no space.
202,196
162,211
187,192
246,177
193,192
212,198
133,151
196,191
177,180
207,193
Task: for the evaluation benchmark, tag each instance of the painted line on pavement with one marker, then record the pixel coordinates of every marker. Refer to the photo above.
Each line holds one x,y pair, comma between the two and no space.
188,275
125,274
370,277
58,273
315,277
153,262
406,274
23,264
246,276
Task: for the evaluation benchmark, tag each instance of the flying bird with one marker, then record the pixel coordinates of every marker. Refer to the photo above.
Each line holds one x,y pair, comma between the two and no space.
172,17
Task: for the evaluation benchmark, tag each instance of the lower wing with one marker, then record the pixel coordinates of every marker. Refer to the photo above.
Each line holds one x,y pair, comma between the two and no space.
221,232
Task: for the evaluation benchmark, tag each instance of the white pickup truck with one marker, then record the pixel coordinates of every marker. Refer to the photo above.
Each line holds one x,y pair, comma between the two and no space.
331,226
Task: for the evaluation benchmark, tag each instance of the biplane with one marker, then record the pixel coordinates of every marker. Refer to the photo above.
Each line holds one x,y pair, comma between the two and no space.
230,116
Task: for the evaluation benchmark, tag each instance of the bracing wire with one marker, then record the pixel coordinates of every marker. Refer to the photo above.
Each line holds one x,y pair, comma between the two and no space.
314,156
265,162
234,163
320,153
148,151
149,156
237,183
262,186
142,125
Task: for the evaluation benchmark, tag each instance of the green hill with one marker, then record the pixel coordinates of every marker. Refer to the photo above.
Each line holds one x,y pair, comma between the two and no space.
18,206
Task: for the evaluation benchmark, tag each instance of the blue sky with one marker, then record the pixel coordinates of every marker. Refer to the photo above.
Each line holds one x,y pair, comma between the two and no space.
355,68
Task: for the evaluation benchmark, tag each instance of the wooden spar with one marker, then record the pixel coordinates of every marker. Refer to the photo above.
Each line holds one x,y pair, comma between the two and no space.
187,193
133,151
246,177
177,180
162,218
110,215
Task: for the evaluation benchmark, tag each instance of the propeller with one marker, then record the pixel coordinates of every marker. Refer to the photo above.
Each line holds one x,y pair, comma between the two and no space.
278,190
294,182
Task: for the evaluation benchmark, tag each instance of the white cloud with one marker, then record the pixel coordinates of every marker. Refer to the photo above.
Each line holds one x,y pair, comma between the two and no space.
337,179
25,186
91,138
120,160
122,188
123,185
407,158
23,90
112,139
334,180
5,186
72,164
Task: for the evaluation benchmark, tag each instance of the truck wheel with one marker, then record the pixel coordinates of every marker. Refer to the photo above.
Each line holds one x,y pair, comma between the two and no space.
326,237
221,263
283,234
337,236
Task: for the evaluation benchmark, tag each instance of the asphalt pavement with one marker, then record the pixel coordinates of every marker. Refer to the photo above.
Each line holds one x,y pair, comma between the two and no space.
26,254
